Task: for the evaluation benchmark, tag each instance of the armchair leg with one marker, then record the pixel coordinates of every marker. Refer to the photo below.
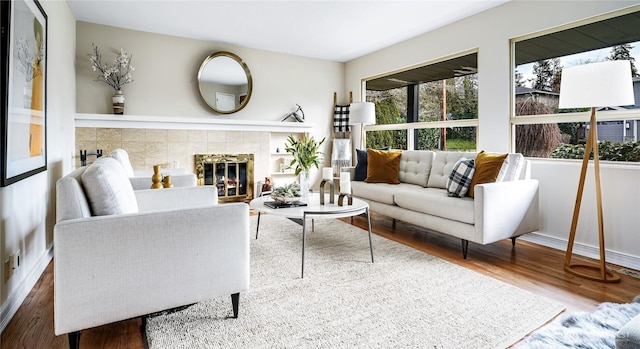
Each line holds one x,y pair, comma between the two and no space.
74,340
258,226
513,241
235,302
465,248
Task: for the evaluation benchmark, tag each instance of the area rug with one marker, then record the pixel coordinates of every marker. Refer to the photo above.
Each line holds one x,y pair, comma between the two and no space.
593,330
406,299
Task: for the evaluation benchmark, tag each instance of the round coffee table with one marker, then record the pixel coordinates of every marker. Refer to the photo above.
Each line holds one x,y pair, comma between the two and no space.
314,210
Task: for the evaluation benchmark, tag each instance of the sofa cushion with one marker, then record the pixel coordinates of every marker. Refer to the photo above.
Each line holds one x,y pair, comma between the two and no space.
415,166
460,178
361,165
512,168
123,158
442,165
436,202
108,188
487,169
380,192
71,201
383,166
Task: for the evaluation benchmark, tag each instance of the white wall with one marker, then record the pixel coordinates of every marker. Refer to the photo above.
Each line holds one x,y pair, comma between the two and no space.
489,33
166,70
28,206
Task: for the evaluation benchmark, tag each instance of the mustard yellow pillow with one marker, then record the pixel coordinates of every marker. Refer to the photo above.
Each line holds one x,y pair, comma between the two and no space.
383,166
487,169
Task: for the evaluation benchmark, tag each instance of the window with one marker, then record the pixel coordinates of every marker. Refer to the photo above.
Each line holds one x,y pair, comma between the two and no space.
543,130
434,106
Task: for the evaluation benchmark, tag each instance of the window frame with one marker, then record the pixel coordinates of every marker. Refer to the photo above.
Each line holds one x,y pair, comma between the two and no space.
411,127
557,118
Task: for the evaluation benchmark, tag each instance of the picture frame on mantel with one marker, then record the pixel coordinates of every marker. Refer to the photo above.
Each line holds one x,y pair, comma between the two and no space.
23,29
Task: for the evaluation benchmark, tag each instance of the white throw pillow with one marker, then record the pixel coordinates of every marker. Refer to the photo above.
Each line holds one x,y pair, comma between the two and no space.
123,158
460,177
511,168
108,188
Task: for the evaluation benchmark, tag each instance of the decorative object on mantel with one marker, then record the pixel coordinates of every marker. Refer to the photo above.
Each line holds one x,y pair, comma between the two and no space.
602,84
84,154
306,153
115,76
156,178
166,182
286,193
297,117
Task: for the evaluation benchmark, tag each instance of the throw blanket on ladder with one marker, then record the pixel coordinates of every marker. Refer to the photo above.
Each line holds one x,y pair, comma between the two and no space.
341,118
341,155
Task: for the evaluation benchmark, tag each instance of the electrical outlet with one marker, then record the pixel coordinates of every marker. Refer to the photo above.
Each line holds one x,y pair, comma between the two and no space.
7,270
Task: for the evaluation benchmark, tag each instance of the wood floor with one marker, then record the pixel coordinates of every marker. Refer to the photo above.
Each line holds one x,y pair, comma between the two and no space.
528,266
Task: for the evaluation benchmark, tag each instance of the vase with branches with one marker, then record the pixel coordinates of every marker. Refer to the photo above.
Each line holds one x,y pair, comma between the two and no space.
116,75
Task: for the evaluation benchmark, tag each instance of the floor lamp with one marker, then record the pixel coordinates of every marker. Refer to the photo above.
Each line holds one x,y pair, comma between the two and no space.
362,113
603,84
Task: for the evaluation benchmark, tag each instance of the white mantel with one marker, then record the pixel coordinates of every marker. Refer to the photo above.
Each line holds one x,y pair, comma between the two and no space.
187,123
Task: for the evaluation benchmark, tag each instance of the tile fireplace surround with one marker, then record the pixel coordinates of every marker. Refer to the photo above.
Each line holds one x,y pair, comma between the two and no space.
162,140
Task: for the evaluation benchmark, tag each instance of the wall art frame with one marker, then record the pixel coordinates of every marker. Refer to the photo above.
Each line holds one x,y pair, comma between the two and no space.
23,111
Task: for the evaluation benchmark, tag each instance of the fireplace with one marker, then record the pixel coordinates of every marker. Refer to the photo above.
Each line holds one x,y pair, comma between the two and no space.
232,174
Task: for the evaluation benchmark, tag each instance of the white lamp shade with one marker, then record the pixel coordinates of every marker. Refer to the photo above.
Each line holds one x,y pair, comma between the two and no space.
362,113
602,84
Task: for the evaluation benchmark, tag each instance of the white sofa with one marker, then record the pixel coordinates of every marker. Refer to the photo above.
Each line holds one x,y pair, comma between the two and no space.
505,209
121,254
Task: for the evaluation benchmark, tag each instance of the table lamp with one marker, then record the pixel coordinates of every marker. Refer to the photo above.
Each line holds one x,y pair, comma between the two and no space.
362,113
602,84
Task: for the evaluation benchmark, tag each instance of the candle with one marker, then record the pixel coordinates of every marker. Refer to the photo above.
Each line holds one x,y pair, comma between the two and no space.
345,183
327,173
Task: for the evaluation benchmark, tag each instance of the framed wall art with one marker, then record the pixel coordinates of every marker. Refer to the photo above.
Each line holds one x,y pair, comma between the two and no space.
23,89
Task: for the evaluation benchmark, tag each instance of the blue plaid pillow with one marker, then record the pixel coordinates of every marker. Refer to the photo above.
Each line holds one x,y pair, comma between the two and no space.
460,177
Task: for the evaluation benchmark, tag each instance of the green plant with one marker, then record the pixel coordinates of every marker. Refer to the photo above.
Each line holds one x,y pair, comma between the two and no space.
287,190
608,151
306,153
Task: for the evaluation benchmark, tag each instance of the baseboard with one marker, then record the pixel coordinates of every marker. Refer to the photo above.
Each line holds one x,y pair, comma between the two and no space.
13,303
612,257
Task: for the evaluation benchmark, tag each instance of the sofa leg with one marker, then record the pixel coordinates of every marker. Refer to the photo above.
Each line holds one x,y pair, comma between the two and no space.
74,340
513,241
465,248
235,302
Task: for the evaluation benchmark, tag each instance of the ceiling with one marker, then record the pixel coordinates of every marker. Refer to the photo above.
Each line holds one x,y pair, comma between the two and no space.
330,30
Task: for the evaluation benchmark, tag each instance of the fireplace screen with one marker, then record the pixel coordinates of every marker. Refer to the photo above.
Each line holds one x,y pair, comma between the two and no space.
232,174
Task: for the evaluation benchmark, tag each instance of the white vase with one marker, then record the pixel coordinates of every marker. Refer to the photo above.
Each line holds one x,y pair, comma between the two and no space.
118,103
304,186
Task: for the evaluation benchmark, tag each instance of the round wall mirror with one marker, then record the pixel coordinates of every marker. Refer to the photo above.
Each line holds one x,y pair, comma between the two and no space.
225,82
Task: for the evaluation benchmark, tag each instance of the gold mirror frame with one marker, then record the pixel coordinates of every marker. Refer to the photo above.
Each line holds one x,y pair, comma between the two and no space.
222,59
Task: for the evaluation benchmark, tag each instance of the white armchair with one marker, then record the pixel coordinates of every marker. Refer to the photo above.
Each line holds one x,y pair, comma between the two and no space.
121,253
141,179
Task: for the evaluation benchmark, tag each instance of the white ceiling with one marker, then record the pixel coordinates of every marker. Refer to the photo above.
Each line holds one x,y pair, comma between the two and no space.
330,30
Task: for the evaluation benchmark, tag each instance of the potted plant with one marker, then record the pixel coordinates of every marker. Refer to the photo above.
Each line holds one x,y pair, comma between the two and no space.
286,192
306,154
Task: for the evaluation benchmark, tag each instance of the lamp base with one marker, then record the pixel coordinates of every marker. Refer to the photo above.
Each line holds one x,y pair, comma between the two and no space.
592,272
